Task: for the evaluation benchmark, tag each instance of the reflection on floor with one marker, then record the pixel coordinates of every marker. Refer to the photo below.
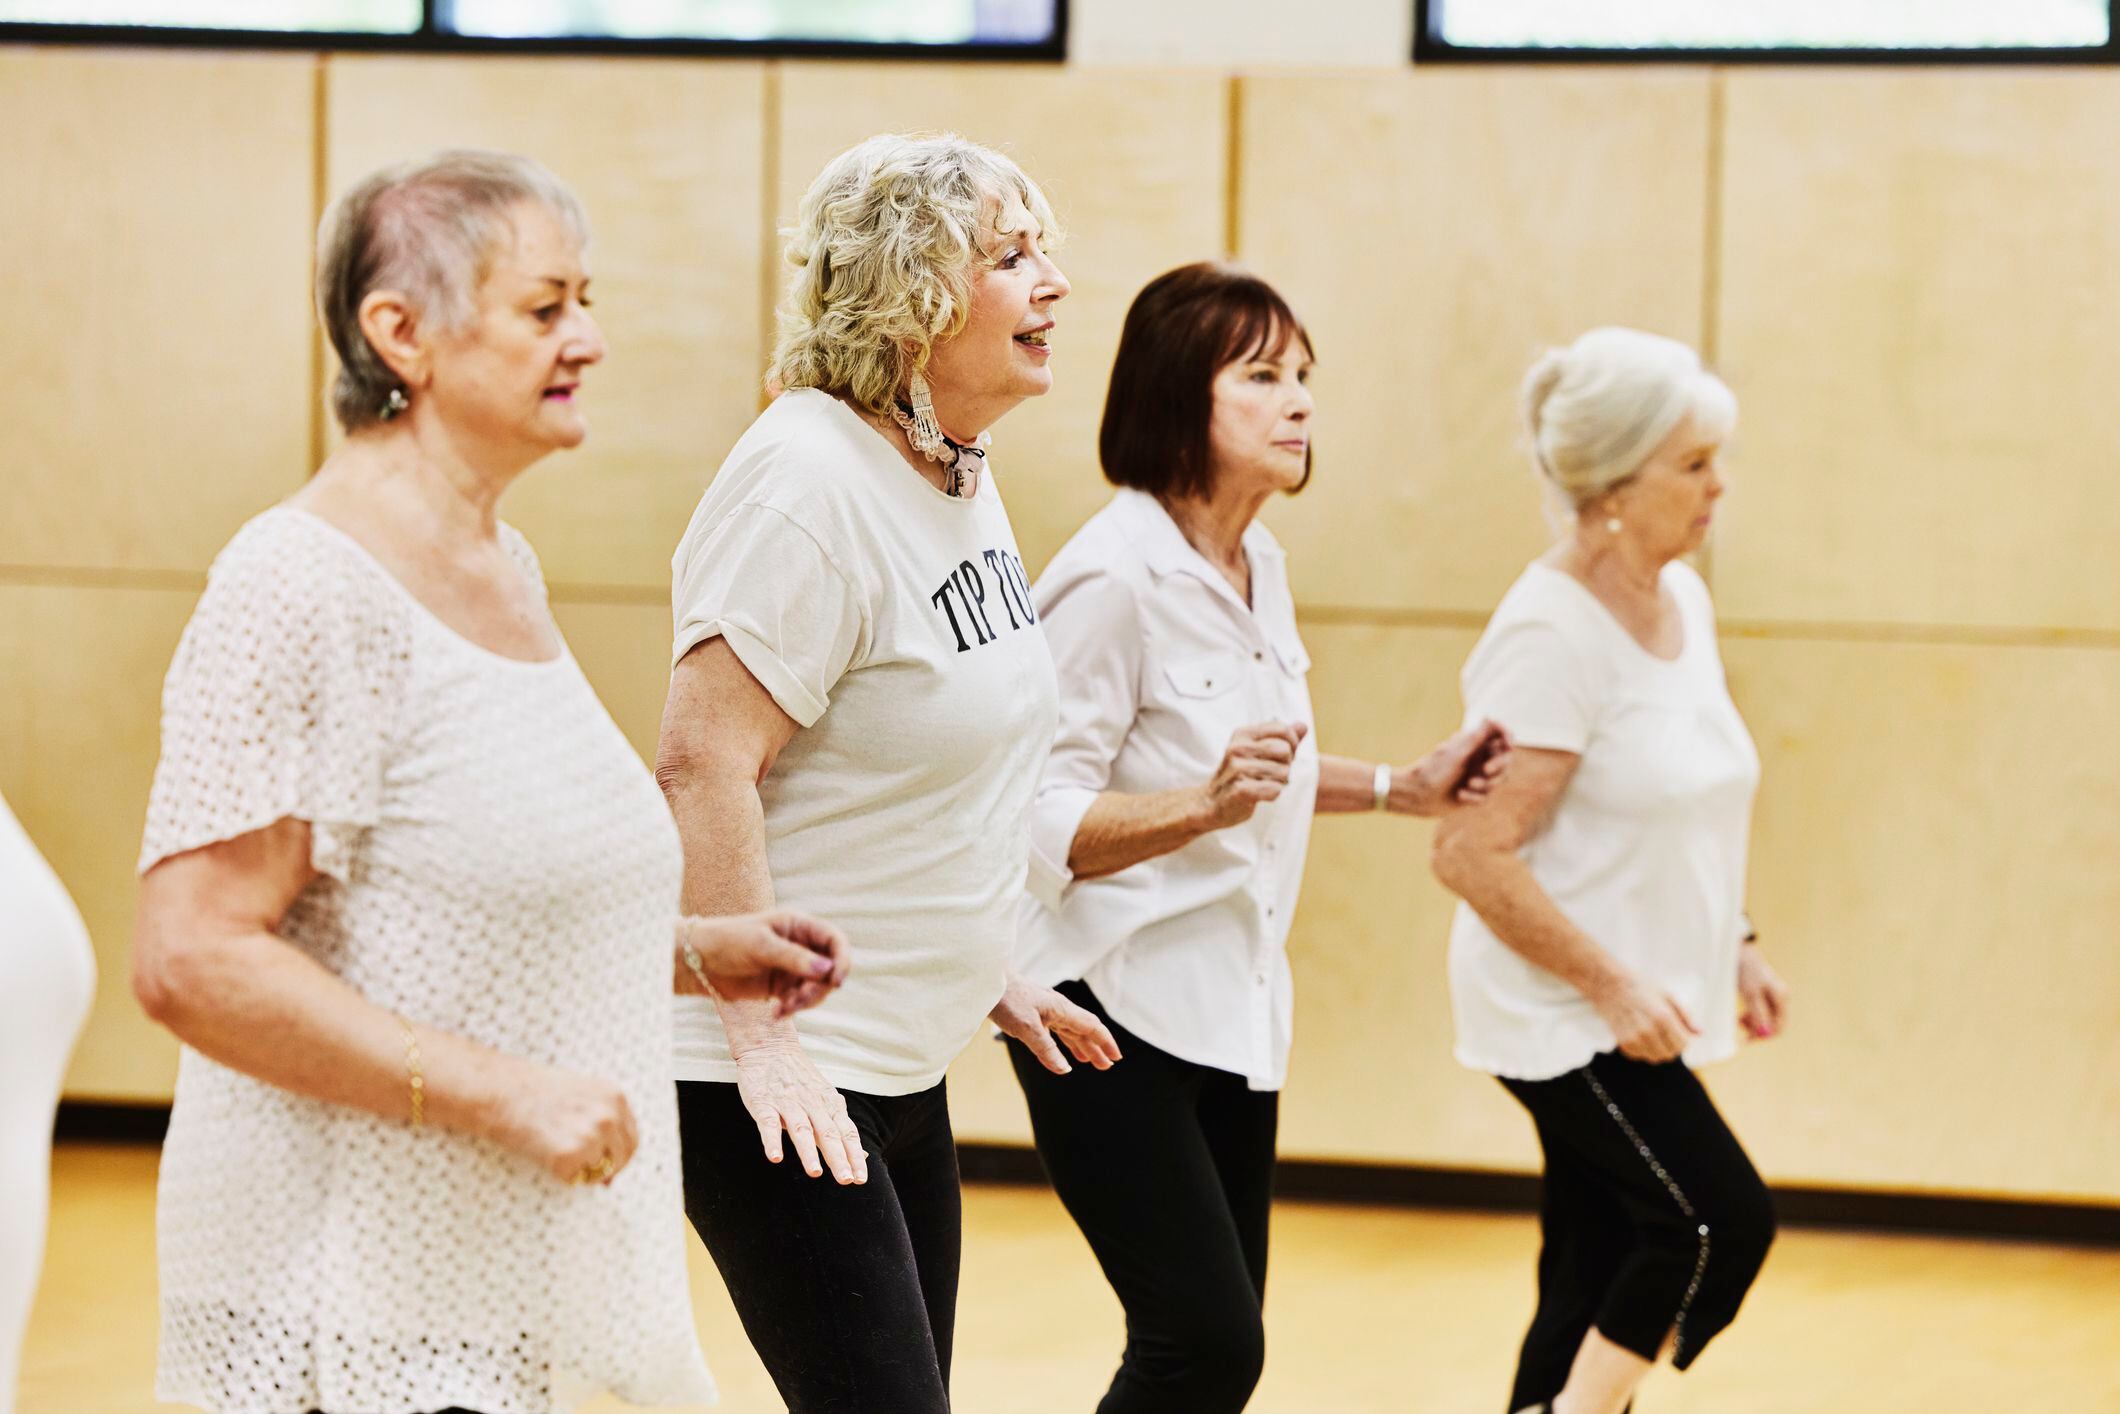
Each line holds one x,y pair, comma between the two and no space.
1370,1311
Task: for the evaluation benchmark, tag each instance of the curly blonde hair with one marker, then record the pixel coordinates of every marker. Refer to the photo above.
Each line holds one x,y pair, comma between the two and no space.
886,245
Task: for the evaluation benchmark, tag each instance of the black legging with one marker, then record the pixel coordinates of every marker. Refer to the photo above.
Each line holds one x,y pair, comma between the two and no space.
1653,1220
1167,1167
849,1295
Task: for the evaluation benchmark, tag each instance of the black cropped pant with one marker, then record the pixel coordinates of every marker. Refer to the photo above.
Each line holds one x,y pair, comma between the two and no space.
1167,1167
1654,1222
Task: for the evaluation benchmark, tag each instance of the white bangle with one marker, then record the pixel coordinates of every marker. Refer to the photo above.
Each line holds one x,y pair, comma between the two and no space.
1380,788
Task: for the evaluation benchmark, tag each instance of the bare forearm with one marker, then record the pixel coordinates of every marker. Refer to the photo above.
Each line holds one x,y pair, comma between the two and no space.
722,823
257,1005
1500,887
1347,785
1120,830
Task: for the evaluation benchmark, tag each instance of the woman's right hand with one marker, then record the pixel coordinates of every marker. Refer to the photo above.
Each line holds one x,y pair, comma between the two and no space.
1648,1024
783,1090
789,957
578,1128
1254,770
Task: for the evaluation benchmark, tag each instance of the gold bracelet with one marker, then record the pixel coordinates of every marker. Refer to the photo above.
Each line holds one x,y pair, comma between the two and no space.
412,1072
694,963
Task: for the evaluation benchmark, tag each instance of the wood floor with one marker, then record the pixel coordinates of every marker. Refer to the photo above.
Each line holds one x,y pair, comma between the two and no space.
1369,1312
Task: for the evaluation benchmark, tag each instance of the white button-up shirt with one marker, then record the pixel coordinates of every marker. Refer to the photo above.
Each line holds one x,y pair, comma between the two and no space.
1159,662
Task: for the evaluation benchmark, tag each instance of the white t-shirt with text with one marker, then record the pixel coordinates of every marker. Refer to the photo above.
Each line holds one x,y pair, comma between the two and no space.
894,624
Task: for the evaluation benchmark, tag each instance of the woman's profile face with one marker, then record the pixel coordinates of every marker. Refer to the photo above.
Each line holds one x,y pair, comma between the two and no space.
1002,354
512,379
1669,505
1259,431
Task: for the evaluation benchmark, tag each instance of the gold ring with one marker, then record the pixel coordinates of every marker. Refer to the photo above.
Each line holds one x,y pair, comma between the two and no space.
597,1172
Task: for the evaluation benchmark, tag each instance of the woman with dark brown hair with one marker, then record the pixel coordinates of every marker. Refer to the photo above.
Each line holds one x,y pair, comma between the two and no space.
1170,824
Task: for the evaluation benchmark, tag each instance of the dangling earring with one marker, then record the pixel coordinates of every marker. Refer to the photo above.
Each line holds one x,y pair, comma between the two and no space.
926,433
961,461
396,403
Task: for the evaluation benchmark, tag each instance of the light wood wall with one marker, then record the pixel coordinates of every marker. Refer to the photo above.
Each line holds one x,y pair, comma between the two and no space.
1905,274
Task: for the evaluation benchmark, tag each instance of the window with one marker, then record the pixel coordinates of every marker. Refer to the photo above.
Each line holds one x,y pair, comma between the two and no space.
801,21
1780,30
281,16
982,28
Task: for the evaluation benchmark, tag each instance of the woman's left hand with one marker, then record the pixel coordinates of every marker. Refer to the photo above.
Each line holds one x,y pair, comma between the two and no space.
1034,1015
1763,998
1460,771
788,956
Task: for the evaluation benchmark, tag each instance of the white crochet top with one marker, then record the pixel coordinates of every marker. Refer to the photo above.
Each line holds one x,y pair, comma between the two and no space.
494,861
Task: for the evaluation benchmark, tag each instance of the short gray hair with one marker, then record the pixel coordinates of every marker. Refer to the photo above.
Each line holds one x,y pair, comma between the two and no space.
1595,410
428,229
885,246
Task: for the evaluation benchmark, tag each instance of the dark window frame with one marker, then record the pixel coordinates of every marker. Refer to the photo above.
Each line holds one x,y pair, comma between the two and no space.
1429,47
432,38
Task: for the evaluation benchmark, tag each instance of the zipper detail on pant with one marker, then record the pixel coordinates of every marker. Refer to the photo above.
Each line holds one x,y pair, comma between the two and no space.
1678,1195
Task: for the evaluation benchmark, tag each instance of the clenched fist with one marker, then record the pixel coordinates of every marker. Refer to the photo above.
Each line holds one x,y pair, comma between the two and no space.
1254,770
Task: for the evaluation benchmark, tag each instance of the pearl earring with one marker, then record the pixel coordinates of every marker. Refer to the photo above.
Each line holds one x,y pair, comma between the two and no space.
1612,524
396,403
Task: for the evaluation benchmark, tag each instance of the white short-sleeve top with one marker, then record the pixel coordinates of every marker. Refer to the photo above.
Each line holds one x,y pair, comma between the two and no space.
47,976
494,861
1159,663
1645,851
894,624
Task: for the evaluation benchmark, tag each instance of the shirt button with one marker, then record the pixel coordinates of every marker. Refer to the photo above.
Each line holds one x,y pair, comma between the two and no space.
1257,656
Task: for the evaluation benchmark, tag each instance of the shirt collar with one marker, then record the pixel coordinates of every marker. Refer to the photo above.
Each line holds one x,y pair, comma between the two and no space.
1168,552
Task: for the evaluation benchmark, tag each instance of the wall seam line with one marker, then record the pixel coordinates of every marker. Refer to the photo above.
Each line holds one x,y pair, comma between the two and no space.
319,195
769,244
1233,170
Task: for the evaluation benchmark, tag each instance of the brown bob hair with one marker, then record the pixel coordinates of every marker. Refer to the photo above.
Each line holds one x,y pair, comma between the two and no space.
1185,326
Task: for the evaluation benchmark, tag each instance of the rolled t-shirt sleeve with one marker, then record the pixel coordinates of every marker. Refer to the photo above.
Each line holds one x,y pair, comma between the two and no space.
768,587
1527,676
1093,628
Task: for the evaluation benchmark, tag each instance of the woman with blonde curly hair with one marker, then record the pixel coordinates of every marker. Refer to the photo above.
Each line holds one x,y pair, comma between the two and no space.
859,704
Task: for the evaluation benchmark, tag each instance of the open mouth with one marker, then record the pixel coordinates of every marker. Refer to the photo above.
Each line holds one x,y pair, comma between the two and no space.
1036,338
563,395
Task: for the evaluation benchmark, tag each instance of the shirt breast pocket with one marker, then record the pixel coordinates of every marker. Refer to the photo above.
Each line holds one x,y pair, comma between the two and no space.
1204,678
1205,695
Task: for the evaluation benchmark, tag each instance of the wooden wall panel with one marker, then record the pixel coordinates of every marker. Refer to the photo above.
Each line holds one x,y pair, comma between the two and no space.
1436,230
1135,165
986,1104
154,381
1933,872
89,700
1372,1077
1919,272
667,156
624,651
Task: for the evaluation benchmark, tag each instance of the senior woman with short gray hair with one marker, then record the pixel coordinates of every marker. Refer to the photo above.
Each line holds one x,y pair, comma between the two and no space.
860,699
410,899
1602,950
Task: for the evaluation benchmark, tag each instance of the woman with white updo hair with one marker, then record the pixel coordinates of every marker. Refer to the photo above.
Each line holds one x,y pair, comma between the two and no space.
1602,951
860,699
410,898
